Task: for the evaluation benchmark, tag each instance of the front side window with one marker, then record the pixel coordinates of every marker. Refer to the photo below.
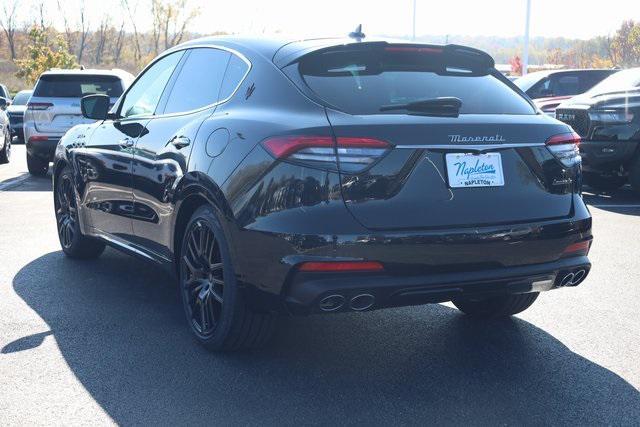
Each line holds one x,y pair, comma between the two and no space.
143,97
371,81
199,81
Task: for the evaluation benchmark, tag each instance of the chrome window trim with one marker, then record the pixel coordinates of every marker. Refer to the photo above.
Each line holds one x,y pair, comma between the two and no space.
473,147
186,48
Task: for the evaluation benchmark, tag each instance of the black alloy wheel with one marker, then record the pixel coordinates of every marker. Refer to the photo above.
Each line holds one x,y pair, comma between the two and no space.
66,211
213,301
203,279
74,244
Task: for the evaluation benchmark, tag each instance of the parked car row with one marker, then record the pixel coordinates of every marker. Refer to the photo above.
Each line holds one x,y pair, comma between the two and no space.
40,117
603,107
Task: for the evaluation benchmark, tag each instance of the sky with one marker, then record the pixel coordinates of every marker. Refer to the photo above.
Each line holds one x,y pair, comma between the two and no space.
303,18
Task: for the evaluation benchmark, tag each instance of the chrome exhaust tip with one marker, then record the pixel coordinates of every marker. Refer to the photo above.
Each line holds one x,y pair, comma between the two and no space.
331,303
578,276
362,302
567,280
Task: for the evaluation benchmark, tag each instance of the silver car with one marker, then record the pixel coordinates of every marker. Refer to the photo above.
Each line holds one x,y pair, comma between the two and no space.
54,108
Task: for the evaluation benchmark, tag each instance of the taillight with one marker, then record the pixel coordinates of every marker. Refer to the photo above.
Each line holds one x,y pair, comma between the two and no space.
39,106
565,148
354,153
340,266
578,248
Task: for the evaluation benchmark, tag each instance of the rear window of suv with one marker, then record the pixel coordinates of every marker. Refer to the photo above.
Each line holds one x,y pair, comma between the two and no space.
77,86
363,81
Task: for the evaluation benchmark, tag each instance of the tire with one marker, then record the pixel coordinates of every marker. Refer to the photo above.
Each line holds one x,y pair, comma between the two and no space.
602,183
634,176
5,153
501,306
36,166
74,244
212,301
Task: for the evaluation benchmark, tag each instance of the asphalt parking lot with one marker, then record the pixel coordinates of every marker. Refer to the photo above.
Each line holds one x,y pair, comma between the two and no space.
104,341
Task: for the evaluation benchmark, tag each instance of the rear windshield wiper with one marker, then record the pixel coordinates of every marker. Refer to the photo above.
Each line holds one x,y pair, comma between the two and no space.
447,106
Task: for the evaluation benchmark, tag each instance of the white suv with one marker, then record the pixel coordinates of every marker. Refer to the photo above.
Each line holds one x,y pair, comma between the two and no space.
54,108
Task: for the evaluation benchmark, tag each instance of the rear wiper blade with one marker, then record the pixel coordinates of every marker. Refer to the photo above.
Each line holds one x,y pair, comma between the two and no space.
443,106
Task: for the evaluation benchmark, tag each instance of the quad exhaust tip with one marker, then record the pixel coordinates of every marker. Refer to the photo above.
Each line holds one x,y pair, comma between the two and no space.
573,278
331,303
362,302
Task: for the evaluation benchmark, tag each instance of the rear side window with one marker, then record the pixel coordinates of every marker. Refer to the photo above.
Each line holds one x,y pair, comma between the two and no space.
77,86
199,81
361,82
236,70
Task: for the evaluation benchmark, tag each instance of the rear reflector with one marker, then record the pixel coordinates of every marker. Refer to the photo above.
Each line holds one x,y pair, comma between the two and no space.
579,248
354,153
39,106
341,266
38,138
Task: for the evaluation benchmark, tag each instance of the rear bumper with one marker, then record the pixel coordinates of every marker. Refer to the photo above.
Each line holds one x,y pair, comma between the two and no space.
43,150
331,292
606,156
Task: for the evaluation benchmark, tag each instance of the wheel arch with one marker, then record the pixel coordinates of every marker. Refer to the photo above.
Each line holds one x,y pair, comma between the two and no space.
196,190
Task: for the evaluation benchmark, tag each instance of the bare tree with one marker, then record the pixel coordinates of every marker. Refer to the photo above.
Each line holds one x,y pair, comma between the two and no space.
83,31
68,32
8,23
117,45
170,21
181,15
136,35
101,36
41,11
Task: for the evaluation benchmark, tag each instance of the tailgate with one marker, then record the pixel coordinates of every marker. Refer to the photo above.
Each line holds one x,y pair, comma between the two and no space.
451,172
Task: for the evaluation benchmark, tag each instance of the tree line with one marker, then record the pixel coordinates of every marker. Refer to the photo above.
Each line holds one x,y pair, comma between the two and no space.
29,42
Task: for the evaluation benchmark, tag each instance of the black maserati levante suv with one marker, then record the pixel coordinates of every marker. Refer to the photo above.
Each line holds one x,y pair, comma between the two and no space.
326,176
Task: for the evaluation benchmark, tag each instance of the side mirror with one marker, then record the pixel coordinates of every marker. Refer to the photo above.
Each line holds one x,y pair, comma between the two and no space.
3,103
95,107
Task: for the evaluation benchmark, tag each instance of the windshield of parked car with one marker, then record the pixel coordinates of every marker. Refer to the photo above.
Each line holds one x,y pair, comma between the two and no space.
77,86
623,80
22,98
370,81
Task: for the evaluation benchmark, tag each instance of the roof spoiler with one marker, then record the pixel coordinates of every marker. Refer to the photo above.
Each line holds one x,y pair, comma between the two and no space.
457,55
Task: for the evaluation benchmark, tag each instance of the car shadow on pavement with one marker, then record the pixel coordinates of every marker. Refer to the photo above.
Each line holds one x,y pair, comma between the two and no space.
26,182
120,329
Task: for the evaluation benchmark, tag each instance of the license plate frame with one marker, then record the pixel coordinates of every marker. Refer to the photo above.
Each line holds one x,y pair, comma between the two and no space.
474,170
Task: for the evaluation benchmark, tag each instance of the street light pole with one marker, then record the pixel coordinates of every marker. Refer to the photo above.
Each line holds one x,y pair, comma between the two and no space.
414,20
525,56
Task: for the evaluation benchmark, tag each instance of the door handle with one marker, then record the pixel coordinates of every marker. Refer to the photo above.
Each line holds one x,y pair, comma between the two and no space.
180,141
126,143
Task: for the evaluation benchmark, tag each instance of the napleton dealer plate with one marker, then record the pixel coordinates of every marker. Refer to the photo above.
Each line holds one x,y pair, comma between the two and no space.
474,170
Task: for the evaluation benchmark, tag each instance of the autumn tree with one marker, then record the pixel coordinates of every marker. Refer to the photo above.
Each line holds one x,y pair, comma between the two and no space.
43,55
626,44
8,23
